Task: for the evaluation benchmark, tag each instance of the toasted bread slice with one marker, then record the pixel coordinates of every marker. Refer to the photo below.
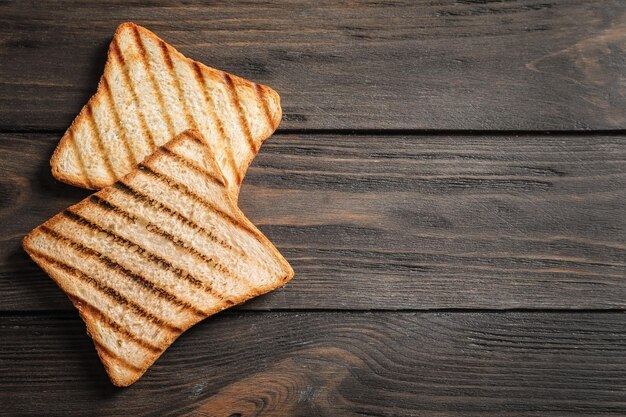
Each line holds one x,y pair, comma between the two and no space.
149,93
153,254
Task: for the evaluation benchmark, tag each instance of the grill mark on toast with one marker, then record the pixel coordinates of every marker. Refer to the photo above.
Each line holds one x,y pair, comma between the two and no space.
260,92
116,51
79,157
132,159
153,228
99,201
149,255
88,309
111,264
173,183
143,57
172,73
234,98
105,289
157,205
122,361
199,75
93,127
191,165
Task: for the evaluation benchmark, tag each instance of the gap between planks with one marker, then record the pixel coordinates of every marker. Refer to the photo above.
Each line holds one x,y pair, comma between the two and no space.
398,132
237,311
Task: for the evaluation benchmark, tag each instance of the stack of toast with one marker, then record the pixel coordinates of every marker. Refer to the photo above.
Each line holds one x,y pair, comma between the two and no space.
162,244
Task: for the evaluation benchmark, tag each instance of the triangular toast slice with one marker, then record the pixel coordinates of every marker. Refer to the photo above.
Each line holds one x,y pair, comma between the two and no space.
149,93
151,255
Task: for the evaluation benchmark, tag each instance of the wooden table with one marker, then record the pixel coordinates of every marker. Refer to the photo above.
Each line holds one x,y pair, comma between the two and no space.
448,182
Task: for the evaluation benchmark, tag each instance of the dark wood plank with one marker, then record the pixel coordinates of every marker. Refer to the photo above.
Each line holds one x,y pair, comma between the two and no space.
442,64
331,364
393,222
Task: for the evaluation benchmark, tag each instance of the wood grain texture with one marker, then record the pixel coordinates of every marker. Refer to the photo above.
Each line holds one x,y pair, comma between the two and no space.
443,64
393,222
332,364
